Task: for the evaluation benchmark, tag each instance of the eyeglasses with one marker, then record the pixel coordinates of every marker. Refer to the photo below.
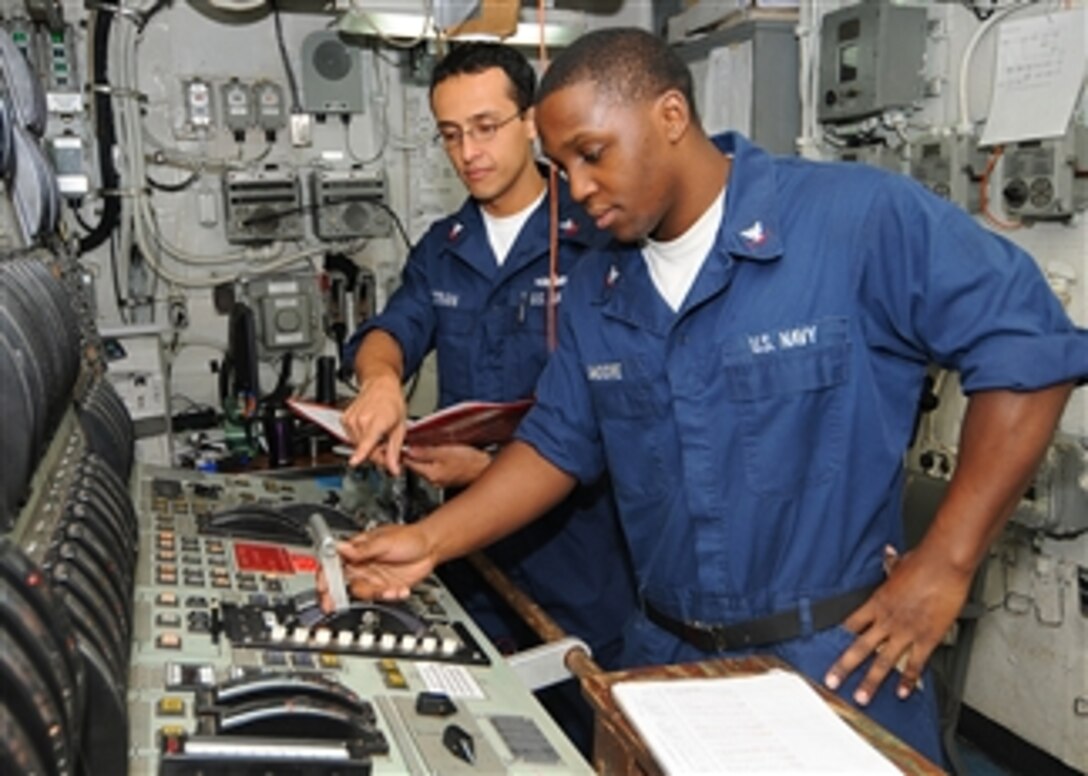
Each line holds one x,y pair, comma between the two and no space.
479,131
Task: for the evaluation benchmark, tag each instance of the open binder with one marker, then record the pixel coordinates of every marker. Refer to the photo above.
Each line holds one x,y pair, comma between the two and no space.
476,423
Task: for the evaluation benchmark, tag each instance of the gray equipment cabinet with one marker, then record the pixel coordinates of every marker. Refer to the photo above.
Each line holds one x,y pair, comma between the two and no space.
775,108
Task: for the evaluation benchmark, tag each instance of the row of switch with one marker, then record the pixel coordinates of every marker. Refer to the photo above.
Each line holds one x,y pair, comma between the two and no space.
366,640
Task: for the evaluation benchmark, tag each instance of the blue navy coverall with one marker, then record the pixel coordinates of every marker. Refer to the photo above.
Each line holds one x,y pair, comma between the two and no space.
772,411
488,327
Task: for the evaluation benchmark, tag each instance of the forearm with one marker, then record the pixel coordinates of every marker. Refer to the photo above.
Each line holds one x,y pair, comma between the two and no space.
1003,438
519,486
379,356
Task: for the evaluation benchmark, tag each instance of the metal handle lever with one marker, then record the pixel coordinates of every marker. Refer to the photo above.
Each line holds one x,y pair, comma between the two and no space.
329,558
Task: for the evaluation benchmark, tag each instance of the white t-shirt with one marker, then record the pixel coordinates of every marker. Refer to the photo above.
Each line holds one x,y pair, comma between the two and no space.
503,230
674,264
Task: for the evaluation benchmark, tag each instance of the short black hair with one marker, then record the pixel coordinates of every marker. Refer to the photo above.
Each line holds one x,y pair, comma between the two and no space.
473,58
625,63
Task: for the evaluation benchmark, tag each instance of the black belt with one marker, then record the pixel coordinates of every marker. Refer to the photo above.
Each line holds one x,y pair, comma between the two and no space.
780,626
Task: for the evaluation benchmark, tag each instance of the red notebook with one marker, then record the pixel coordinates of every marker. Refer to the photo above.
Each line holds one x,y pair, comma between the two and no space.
477,423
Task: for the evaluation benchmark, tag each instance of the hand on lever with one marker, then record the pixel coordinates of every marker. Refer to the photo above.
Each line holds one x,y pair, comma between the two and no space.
383,563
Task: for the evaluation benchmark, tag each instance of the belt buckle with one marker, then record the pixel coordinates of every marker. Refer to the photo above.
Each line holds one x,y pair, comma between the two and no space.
716,633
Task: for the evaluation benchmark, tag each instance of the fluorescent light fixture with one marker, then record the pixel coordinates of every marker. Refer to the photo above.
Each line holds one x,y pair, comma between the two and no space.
412,26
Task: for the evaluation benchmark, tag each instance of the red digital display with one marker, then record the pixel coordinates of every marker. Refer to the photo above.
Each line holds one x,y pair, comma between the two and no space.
265,558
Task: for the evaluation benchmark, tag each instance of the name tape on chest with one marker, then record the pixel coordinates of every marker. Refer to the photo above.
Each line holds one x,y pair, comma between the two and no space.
444,299
546,281
613,370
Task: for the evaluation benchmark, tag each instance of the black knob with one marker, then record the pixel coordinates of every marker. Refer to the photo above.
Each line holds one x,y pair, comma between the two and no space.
1015,193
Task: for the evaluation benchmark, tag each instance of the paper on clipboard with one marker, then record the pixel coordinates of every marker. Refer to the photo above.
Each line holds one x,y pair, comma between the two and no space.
770,723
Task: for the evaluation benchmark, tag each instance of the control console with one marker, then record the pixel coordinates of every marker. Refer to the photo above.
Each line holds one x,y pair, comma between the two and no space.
235,669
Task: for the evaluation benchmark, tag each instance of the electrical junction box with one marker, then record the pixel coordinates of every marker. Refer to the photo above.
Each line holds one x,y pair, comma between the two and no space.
67,154
270,106
199,112
238,111
349,203
1045,179
262,206
287,313
871,60
951,166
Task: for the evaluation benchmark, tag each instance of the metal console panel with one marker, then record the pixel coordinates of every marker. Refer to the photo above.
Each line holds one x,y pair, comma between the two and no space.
231,657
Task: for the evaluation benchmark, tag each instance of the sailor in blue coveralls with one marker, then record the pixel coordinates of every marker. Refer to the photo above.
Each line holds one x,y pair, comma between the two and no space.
476,290
752,395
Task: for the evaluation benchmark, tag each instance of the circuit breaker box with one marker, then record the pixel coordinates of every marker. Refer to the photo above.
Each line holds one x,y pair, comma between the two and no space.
871,59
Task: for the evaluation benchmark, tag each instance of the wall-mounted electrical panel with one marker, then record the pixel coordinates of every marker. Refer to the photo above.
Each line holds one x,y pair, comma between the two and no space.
1045,179
871,60
262,206
951,166
287,313
349,203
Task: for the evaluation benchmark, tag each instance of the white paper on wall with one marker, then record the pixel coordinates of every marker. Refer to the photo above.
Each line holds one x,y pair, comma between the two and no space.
1039,69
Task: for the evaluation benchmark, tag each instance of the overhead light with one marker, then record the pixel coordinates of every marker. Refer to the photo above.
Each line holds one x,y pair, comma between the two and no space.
528,34
414,26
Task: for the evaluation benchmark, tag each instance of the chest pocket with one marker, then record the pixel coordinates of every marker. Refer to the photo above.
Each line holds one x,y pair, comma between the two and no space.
637,437
790,403
527,310
453,345
519,332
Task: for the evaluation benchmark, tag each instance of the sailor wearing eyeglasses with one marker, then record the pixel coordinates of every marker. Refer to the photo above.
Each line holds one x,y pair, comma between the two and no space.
476,289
